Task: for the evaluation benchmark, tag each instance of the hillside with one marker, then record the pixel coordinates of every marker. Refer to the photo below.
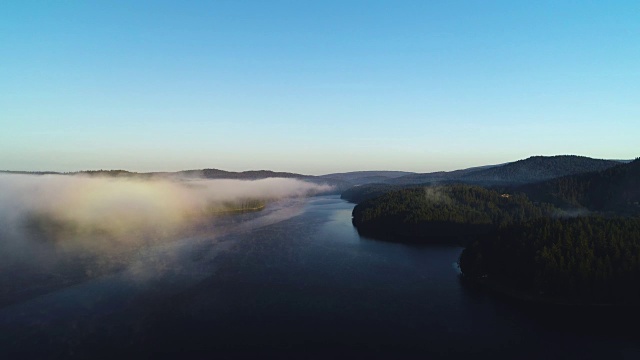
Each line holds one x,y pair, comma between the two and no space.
454,212
520,247
437,176
614,190
537,168
365,177
530,170
244,175
359,193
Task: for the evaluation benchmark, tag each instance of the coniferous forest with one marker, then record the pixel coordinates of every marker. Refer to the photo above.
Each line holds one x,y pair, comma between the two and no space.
453,212
579,260
574,239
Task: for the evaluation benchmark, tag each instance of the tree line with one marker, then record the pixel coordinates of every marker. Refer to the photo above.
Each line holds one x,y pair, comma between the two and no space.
525,246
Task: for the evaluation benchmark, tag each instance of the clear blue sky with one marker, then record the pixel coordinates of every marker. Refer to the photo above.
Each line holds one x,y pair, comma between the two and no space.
315,86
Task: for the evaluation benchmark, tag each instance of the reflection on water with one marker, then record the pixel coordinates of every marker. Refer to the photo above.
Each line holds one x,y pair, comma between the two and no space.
293,278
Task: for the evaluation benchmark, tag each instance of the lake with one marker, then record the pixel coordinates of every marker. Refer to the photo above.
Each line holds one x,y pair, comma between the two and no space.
296,279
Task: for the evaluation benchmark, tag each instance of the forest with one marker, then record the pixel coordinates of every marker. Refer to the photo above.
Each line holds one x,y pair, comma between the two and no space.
454,212
591,259
614,191
526,240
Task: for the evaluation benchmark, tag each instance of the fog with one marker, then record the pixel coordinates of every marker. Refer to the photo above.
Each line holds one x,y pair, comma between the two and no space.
571,213
437,194
77,226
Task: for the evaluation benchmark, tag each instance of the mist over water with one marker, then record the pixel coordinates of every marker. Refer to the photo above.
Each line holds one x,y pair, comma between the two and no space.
295,276
56,230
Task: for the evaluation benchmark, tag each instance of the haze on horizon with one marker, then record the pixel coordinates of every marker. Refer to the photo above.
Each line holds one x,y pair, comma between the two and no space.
315,87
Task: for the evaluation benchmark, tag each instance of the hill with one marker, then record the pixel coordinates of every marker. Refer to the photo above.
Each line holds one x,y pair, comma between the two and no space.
454,212
436,177
537,168
614,190
244,175
337,184
359,193
365,177
530,170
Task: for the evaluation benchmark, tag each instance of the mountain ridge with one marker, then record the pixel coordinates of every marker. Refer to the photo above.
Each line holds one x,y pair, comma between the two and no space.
616,189
529,170
539,168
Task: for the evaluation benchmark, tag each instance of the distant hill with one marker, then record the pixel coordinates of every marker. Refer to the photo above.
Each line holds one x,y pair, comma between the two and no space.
337,184
533,169
372,189
616,189
244,175
204,173
537,168
365,177
30,172
110,173
361,193
438,176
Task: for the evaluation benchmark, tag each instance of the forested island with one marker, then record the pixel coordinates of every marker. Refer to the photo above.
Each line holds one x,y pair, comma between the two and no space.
570,240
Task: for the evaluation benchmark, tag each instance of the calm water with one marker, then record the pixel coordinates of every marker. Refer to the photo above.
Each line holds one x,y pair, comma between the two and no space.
297,279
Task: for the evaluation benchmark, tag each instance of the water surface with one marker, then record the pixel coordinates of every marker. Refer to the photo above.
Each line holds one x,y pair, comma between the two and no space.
296,279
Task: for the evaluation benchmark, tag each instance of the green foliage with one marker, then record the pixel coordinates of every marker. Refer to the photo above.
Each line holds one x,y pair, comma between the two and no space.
522,246
436,211
357,194
615,190
585,259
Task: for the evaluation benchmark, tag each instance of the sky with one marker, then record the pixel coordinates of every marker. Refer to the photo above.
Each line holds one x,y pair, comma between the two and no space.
315,86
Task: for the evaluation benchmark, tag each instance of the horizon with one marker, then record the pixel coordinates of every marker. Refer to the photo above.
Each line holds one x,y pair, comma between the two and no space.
315,88
297,173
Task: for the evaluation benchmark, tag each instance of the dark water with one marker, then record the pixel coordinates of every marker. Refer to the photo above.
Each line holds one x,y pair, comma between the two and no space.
297,280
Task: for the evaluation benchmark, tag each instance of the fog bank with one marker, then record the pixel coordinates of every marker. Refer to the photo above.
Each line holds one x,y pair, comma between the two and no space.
54,213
